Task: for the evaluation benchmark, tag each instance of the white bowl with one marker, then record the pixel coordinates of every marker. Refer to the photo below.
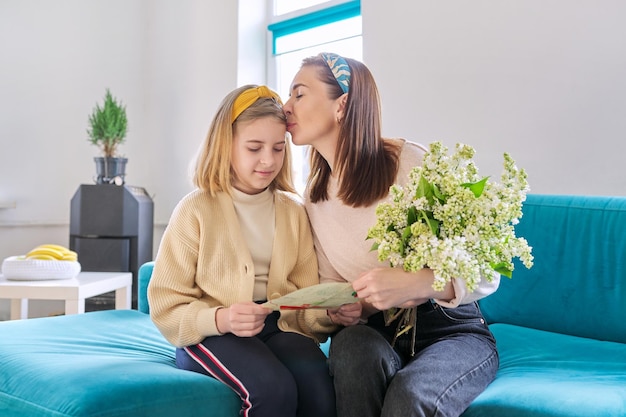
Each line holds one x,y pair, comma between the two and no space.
18,268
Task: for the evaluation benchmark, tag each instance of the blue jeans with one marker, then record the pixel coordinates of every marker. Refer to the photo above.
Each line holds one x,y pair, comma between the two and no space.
455,359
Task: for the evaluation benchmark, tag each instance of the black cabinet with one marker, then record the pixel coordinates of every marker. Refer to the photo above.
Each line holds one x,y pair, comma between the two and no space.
111,229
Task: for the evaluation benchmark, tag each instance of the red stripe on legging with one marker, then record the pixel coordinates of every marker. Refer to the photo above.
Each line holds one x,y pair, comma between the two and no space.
241,390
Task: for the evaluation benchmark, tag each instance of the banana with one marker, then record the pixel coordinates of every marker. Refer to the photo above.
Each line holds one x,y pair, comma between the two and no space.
46,251
55,247
42,256
51,251
70,257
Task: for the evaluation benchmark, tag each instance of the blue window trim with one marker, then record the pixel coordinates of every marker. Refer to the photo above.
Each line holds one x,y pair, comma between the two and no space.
310,20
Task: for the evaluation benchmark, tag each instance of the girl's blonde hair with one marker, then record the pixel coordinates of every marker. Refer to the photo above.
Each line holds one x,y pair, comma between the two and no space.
213,171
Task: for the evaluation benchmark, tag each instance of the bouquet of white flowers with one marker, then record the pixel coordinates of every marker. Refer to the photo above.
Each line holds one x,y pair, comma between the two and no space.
449,219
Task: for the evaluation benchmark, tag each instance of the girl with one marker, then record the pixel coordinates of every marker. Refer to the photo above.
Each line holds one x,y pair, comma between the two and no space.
236,241
334,107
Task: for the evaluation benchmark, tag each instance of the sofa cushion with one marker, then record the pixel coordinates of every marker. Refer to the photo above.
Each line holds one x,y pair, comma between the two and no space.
544,374
101,364
577,284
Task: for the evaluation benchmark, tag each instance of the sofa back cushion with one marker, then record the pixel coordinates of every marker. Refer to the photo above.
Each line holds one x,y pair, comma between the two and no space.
577,285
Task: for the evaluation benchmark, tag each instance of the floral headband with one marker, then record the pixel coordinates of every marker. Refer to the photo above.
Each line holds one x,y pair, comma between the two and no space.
340,69
249,96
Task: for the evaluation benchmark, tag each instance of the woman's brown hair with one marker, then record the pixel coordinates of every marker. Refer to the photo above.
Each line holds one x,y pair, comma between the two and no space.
365,163
213,171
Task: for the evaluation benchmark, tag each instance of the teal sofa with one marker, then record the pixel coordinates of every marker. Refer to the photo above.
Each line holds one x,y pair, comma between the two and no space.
560,329
112,363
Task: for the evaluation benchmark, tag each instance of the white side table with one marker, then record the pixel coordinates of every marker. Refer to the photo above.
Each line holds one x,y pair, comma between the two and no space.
72,291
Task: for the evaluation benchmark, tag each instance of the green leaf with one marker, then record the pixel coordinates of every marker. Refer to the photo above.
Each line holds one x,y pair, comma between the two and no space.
374,247
411,216
476,187
427,217
442,198
406,234
434,226
425,189
502,269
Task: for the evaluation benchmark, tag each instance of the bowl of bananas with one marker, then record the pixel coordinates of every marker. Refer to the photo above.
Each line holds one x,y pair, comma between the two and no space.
48,261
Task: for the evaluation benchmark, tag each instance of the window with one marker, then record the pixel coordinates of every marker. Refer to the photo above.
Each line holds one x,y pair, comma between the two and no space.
323,26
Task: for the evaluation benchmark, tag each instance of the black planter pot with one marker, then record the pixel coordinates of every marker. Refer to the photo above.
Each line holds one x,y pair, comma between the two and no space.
110,170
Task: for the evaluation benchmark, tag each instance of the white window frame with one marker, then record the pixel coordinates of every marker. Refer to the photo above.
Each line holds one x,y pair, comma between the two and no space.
321,14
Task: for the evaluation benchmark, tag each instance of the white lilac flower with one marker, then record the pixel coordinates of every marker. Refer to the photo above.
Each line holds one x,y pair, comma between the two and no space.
451,220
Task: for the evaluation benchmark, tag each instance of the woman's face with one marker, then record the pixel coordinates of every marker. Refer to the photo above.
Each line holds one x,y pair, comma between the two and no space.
311,114
258,154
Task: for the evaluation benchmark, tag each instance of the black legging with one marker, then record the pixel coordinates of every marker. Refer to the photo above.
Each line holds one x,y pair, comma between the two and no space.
275,373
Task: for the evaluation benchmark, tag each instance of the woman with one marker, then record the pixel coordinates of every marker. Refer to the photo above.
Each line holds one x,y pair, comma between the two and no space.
334,107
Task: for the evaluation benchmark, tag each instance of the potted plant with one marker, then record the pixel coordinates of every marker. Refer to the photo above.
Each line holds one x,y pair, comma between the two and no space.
107,129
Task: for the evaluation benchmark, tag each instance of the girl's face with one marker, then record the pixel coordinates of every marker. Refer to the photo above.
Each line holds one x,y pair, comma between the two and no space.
258,154
311,114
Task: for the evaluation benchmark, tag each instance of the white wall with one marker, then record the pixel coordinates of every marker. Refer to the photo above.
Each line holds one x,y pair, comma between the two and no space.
169,62
541,79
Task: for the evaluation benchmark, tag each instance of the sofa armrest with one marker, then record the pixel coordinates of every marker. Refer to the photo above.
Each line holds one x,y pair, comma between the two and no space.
145,273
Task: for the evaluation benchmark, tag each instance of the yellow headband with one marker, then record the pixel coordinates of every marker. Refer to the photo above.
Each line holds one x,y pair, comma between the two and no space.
249,96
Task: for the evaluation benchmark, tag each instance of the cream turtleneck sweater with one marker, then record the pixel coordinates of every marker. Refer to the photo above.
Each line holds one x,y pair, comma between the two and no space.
257,219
